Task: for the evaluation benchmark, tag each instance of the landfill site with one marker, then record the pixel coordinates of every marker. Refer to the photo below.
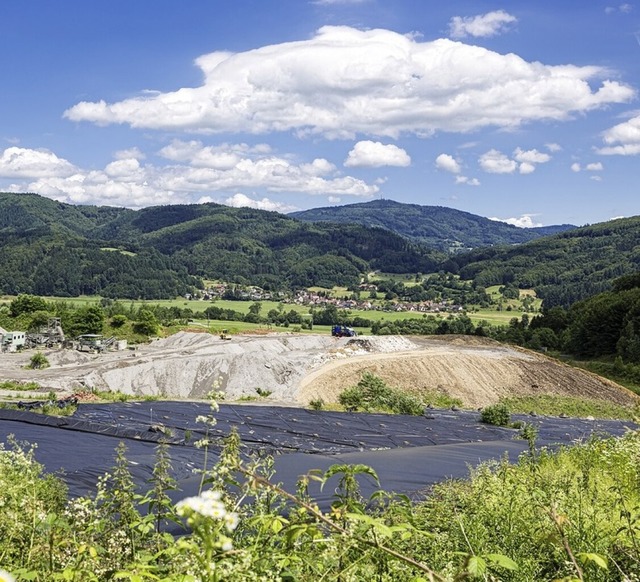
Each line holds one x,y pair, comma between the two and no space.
267,383
294,369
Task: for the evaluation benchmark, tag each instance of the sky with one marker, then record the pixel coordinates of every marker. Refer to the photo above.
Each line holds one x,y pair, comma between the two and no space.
525,112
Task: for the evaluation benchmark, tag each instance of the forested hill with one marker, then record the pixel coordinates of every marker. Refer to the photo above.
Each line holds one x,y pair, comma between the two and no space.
51,248
33,214
563,268
441,228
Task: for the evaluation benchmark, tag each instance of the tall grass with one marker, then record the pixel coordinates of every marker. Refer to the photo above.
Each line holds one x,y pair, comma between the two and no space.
572,514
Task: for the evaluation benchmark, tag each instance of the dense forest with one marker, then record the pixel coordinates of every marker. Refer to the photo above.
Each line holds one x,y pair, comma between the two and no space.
607,324
438,227
563,268
51,248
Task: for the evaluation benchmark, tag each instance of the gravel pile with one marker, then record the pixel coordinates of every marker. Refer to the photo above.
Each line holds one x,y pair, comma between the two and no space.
189,365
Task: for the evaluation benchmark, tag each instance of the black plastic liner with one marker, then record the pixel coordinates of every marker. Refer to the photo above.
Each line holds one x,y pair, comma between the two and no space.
409,453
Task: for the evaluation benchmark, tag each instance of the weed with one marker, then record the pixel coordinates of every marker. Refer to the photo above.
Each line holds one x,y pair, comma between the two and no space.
112,396
551,405
14,385
316,404
440,400
572,514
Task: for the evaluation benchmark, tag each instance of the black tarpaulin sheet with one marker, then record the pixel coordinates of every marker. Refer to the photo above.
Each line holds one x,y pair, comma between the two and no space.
409,453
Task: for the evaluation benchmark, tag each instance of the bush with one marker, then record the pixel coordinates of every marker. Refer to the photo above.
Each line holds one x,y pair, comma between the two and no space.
118,320
498,415
147,323
38,361
25,303
372,393
569,514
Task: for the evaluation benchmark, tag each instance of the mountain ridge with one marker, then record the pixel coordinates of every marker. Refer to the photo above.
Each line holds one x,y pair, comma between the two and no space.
56,249
440,227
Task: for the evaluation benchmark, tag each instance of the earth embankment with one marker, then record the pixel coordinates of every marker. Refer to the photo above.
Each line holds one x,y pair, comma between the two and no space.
295,369
478,371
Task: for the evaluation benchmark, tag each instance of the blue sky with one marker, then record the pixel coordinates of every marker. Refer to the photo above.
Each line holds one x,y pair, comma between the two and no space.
526,112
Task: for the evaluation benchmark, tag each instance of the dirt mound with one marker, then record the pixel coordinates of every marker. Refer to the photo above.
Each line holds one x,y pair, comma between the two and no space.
476,370
294,369
189,365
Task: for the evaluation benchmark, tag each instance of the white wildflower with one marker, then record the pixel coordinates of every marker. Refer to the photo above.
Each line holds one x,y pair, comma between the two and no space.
231,520
6,577
208,504
227,546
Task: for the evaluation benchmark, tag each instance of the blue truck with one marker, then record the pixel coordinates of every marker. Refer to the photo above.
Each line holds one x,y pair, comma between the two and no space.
343,331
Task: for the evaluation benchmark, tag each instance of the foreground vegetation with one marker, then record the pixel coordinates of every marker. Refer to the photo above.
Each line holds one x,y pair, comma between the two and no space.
569,515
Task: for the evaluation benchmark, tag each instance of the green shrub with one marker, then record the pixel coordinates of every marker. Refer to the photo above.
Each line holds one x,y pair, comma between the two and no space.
497,414
38,361
147,324
583,499
118,320
372,393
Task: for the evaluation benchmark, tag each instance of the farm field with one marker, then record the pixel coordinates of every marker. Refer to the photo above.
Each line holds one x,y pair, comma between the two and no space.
492,316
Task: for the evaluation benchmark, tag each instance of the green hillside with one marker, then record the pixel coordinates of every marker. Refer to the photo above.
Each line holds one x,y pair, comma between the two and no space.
50,248
441,228
563,268
32,214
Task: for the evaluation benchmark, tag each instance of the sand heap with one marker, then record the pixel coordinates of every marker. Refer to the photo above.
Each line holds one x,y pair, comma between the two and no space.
297,368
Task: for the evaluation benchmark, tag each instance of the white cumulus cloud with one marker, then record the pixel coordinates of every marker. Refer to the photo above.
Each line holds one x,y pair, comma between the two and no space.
524,161
576,167
495,162
448,164
193,171
374,154
524,221
594,167
531,156
482,25
526,168
467,181
134,153
622,139
16,162
243,201
344,81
